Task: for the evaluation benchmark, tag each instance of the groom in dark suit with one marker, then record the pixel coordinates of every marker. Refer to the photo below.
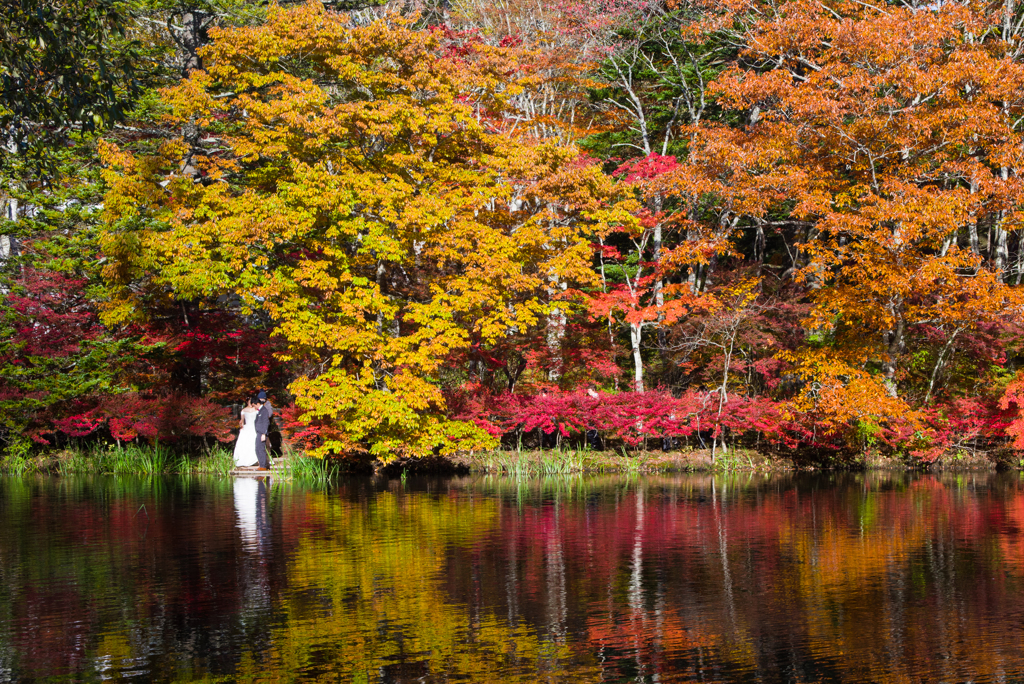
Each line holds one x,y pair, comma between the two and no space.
262,425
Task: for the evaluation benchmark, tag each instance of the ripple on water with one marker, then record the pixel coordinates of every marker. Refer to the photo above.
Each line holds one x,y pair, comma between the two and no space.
862,578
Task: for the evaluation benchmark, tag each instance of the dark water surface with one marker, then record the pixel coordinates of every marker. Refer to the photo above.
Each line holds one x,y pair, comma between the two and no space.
873,577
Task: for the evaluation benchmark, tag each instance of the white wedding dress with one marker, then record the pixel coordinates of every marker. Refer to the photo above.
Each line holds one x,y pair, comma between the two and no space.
245,447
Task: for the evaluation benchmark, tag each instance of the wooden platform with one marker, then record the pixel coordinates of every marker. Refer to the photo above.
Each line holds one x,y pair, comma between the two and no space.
277,469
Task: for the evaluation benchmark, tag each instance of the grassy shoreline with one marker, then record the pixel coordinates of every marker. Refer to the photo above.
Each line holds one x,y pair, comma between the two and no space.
136,459
701,460
154,460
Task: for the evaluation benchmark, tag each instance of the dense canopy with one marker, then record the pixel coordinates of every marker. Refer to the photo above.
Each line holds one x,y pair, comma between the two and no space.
790,225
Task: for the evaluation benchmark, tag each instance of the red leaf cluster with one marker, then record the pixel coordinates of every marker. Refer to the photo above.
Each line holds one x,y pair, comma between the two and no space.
631,417
167,418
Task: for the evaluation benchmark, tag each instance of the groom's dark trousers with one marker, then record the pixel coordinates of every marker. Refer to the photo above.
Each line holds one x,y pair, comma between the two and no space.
262,425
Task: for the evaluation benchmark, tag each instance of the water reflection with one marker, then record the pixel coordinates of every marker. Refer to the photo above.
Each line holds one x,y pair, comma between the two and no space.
251,496
857,577
251,501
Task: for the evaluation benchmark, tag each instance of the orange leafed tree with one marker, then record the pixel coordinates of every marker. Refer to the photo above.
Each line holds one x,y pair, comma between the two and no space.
893,131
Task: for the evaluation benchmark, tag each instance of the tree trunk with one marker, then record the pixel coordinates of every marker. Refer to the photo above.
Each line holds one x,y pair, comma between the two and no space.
635,337
972,225
894,348
659,283
723,396
555,333
1020,259
1002,254
938,365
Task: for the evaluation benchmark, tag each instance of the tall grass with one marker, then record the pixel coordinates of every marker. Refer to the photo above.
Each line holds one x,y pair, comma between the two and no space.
219,461
17,465
311,469
134,459
733,460
513,463
636,464
519,464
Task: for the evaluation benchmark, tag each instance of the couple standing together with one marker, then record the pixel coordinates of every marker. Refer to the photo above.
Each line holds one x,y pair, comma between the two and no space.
251,447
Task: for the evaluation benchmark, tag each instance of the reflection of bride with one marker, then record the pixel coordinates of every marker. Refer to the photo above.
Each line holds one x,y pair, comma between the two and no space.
251,494
246,493
251,508
245,447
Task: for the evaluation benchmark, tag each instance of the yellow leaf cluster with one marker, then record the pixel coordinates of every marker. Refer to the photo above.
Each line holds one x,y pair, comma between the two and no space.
347,183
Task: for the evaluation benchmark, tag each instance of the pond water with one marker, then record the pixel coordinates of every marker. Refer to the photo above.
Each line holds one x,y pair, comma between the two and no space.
863,577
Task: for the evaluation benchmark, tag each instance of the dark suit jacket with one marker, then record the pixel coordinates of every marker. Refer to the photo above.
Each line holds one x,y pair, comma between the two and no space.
262,422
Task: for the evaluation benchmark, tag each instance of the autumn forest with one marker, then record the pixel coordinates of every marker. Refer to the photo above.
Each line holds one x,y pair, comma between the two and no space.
430,227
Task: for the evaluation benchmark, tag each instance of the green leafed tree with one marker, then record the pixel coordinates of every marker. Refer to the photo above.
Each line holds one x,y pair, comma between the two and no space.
64,65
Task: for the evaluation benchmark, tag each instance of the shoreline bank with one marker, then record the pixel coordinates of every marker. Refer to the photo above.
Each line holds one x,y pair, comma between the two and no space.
702,460
136,460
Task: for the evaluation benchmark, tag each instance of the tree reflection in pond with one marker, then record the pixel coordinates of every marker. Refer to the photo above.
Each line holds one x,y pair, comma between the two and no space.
857,577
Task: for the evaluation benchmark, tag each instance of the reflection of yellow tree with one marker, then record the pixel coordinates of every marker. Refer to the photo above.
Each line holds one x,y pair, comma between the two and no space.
881,577
372,595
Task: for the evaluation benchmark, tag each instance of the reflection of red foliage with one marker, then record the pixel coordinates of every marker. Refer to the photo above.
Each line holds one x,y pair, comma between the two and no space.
53,642
697,551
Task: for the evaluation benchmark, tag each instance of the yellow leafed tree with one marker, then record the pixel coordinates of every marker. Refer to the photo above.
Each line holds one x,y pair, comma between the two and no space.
357,184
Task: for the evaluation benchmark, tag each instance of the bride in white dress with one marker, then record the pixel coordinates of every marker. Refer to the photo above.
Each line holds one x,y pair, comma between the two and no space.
245,446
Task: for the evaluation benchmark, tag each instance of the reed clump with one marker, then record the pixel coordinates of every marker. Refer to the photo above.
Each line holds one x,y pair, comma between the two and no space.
526,463
311,469
561,461
127,459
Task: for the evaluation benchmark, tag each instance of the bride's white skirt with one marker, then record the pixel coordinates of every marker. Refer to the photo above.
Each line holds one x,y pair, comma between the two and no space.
245,447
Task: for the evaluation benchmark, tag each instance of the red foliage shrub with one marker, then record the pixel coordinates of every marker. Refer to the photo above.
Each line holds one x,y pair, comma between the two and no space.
53,315
300,434
629,416
1012,404
167,418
